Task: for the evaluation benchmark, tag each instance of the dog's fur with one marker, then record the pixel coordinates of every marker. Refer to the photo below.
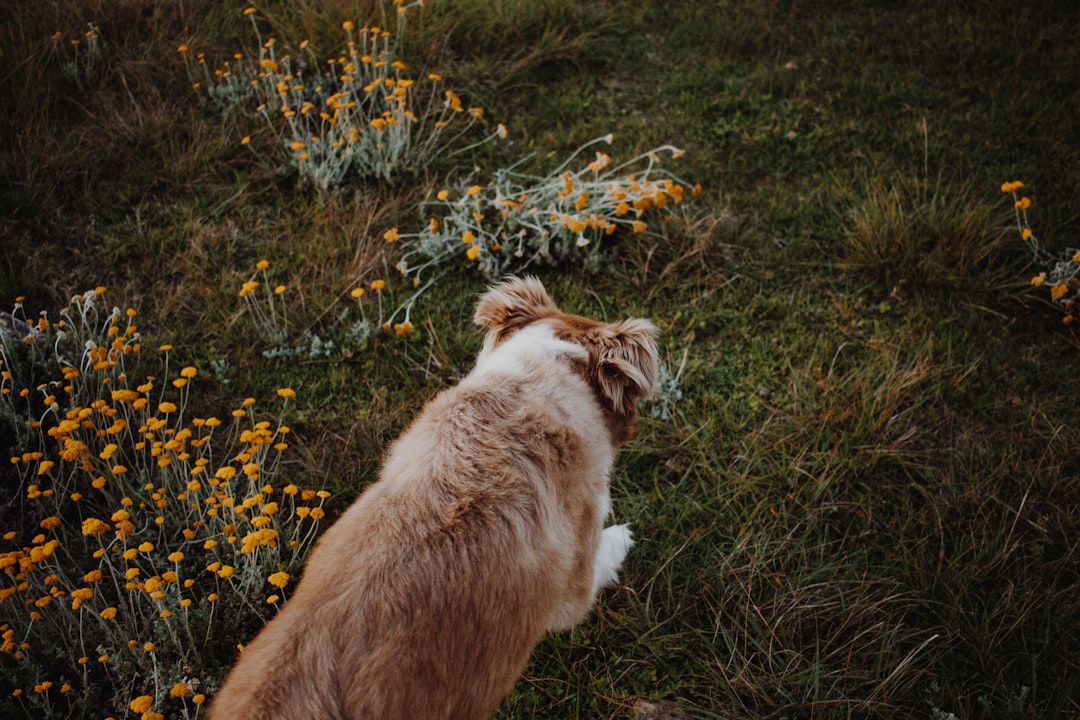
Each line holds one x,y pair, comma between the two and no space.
484,531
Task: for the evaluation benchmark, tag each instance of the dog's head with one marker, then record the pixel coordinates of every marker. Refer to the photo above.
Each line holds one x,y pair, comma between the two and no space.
621,363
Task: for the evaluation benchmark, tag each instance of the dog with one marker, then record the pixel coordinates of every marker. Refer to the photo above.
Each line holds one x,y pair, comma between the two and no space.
483,532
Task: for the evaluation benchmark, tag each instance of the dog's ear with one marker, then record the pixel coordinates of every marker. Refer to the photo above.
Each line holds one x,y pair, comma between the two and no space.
511,305
627,365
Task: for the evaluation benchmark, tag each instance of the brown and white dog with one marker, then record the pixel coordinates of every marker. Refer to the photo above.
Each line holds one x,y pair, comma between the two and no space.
484,531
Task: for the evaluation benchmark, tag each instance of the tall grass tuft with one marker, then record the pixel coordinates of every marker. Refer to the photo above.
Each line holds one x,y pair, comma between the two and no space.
921,231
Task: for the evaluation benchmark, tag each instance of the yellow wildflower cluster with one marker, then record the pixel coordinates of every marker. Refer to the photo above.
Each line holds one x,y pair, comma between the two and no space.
1063,276
359,114
268,312
142,532
517,219
80,55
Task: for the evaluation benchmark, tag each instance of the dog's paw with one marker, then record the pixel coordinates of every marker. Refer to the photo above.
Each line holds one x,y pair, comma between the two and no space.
615,542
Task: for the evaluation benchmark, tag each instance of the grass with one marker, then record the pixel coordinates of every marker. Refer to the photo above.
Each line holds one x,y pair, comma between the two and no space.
864,502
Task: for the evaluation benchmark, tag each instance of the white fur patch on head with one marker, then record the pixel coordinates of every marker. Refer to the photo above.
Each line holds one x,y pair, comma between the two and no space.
534,342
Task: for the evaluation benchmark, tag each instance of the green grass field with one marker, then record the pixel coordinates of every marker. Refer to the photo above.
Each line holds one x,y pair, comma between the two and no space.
858,497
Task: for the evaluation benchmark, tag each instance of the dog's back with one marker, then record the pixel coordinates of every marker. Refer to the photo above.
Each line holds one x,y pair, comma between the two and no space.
426,598
484,531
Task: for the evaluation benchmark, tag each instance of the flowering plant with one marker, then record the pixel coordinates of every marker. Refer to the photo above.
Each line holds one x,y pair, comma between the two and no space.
358,113
516,219
138,535
1063,277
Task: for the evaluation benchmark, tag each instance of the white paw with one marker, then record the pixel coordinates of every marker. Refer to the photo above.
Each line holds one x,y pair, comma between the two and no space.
615,542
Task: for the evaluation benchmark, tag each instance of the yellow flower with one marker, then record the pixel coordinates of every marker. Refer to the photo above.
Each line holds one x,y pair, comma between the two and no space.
108,613
442,195
473,252
79,596
391,235
1059,291
167,407
180,690
1038,279
378,284
189,372
402,329
182,49
175,557
473,190
1023,203
247,11
93,526
245,140
1025,234
278,579
467,237
286,392
348,26
149,647
279,290
356,293
146,547
248,287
